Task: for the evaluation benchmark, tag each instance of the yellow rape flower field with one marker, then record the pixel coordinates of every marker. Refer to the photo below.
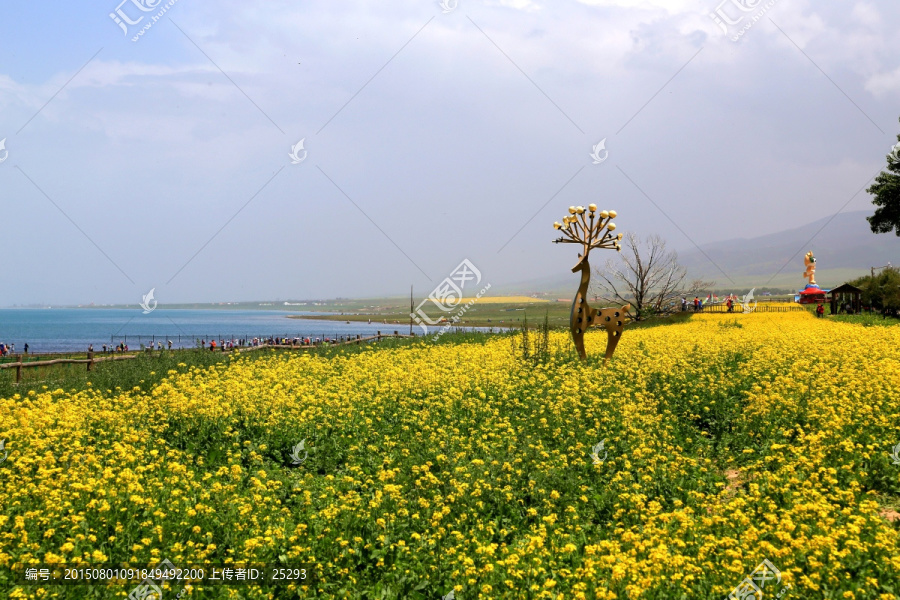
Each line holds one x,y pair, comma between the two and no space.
727,440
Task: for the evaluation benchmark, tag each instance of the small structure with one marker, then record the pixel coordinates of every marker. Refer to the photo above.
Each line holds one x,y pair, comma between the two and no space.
843,295
812,295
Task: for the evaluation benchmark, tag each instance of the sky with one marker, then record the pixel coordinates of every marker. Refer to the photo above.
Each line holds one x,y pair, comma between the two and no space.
171,159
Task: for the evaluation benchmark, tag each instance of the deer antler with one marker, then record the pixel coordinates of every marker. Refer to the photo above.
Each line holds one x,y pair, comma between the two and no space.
578,229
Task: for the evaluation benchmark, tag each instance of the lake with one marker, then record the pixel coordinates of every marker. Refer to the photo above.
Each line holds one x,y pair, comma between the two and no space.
74,329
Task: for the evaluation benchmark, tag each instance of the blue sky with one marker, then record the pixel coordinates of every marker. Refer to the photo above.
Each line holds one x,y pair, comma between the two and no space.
430,137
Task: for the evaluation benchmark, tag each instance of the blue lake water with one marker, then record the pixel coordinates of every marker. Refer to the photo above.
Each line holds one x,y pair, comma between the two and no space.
74,329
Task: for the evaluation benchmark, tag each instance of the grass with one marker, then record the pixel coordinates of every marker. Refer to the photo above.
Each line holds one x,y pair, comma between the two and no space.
507,300
867,320
148,369
481,314
143,372
469,467
733,323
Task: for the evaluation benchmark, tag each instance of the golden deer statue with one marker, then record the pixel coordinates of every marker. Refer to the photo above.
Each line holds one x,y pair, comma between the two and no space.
578,229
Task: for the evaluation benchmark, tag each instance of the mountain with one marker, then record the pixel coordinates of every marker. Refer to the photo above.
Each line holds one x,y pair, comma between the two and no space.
843,245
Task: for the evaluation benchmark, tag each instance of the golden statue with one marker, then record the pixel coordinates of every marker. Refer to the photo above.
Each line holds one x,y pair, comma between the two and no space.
577,229
810,261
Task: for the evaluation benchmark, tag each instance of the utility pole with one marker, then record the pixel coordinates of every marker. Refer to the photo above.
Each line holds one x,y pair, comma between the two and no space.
887,266
410,308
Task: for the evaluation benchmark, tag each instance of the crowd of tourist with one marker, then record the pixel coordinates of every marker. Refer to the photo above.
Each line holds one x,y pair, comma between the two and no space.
8,349
220,344
699,303
231,344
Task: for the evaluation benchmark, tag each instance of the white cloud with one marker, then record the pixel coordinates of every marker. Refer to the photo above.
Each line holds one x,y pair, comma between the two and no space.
526,5
452,120
884,83
668,6
867,14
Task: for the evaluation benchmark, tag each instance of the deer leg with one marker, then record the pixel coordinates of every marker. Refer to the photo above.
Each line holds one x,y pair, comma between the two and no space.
578,323
612,341
613,320
583,316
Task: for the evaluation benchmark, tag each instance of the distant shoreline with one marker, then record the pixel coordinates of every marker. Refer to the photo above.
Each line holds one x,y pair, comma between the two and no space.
282,308
69,330
337,317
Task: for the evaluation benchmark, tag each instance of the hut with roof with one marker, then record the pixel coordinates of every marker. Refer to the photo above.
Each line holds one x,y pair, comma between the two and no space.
846,295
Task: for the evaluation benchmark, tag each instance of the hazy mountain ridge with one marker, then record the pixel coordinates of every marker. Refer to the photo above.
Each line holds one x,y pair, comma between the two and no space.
839,243
844,247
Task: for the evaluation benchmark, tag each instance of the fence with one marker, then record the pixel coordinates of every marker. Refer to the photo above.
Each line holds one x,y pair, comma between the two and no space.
91,359
193,340
737,309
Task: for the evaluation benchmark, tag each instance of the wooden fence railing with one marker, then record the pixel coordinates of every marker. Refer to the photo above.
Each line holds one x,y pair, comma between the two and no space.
737,309
91,359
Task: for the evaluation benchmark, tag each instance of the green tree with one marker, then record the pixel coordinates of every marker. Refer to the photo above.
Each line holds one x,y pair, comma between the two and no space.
865,284
886,289
882,291
886,190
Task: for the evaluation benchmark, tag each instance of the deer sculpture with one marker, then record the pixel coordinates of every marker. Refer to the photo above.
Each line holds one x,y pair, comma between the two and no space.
580,229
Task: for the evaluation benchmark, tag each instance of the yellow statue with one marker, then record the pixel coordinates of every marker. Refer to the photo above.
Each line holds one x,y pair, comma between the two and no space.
578,229
810,261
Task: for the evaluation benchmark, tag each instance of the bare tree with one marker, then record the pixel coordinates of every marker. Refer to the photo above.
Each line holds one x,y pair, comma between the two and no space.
648,277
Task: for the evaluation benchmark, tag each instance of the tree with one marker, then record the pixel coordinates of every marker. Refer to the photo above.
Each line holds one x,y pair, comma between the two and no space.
881,291
886,190
648,277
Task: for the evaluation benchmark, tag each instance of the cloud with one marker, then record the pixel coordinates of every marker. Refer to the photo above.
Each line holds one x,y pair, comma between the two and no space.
672,7
526,5
867,14
884,84
449,136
